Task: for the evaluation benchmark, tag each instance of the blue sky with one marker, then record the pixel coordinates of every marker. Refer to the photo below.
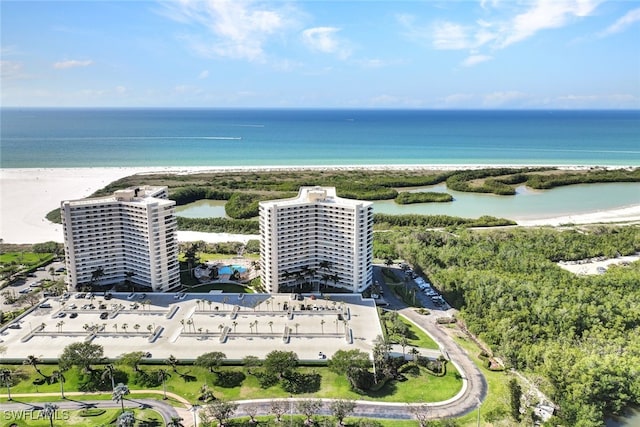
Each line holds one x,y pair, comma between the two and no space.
335,54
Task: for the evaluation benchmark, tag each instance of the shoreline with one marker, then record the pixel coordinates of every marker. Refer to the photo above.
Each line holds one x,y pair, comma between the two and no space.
28,194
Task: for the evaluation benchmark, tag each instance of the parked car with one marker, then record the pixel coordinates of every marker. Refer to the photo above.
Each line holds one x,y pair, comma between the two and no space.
44,305
24,291
104,315
14,326
60,314
73,315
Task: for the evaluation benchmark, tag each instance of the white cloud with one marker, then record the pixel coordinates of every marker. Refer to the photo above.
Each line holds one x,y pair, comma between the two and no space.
457,99
236,29
325,40
448,35
73,63
499,99
203,74
622,23
377,63
544,14
121,90
10,69
502,25
476,59
395,101
591,101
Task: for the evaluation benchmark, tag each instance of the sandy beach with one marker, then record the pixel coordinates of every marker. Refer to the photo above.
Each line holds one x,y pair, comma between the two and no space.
27,195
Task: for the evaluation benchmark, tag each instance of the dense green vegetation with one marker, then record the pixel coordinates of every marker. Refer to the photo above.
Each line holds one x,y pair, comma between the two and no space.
406,197
580,334
541,181
243,190
218,225
383,221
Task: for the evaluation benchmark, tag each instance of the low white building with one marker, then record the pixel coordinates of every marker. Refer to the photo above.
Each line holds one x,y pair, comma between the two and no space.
316,238
130,235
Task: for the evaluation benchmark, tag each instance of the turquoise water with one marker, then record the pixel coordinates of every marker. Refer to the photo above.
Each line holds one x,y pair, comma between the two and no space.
228,269
221,137
203,209
526,204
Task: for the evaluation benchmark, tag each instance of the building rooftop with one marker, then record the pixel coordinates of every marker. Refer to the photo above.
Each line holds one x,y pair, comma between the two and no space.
316,194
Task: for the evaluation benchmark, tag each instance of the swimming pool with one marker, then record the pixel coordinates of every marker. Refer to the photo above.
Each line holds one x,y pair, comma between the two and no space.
228,269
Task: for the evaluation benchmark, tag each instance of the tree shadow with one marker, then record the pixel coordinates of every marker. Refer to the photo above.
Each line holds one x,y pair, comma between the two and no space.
229,379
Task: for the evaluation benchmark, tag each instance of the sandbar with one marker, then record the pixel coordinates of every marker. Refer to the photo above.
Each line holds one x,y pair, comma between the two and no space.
27,195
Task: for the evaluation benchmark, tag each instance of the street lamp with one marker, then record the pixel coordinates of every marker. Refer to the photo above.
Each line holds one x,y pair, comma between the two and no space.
194,409
290,410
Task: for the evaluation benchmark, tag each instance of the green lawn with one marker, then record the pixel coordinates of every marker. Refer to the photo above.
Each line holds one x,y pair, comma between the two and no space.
417,337
188,379
95,418
24,258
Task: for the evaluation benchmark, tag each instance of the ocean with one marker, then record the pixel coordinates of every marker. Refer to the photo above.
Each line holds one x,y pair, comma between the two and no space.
34,138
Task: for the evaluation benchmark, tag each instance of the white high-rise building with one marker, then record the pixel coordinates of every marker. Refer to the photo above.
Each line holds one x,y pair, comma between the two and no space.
316,238
130,235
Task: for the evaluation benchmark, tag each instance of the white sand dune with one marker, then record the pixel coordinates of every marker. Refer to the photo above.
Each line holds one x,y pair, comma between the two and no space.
27,195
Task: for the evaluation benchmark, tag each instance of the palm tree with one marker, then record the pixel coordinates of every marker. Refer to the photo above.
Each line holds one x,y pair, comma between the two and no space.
136,327
125,326
119,392
115,326
109,372
126,419
5,378
97,274
322,322
209,302
190,323
48,411
271,325
127,281
149,328
175,422
33,361
163,375
57,376
234,326
172,361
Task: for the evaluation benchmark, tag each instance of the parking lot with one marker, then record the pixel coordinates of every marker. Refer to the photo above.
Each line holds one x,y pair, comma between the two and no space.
31,283
187,325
